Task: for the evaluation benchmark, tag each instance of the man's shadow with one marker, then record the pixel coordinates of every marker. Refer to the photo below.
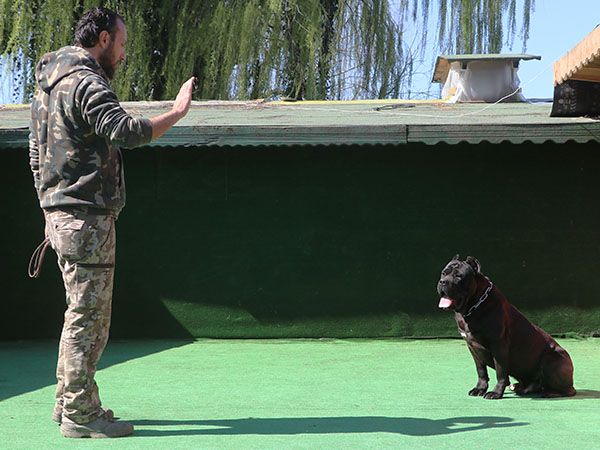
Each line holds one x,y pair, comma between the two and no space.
410,426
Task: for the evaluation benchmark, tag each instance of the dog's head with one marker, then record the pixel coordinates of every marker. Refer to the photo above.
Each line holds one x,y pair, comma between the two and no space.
458,284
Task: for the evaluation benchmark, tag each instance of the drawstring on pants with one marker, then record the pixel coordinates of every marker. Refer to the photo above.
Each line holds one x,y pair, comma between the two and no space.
35,263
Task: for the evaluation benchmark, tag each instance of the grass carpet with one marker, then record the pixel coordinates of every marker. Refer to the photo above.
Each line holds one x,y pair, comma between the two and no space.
299,394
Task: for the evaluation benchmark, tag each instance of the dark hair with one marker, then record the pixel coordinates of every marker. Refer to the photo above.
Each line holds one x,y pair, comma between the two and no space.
92,23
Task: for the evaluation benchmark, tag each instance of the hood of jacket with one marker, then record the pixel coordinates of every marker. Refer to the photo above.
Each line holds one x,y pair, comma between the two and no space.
57,65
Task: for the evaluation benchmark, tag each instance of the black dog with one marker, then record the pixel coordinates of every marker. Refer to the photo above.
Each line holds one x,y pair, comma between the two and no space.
500,337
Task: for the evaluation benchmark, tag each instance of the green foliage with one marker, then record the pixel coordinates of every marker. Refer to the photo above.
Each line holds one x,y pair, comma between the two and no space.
477,26
248,49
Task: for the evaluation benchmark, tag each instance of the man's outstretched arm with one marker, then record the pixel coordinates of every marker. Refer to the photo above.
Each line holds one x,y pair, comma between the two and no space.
162,123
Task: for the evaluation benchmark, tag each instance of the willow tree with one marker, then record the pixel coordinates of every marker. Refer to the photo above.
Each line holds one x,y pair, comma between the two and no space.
478,26
248,49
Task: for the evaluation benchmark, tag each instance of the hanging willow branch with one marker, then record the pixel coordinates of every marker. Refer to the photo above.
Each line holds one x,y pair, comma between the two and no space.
247,49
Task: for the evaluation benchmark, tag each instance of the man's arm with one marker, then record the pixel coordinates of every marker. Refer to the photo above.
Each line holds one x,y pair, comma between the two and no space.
39,116
34,158
101,109
162,123
34,162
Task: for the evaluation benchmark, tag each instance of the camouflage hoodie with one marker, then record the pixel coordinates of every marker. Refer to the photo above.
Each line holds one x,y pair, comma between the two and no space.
77,126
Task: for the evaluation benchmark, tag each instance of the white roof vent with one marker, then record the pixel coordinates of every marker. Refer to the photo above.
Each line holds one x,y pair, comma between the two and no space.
480,78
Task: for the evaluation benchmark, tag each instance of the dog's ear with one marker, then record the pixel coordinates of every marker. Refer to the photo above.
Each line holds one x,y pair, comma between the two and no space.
474,264
456,257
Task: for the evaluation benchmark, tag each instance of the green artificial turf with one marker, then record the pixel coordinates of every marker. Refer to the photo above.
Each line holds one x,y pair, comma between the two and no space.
298,394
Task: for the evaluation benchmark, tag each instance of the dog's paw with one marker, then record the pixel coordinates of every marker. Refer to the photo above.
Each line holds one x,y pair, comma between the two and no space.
526,388
477,392
492,395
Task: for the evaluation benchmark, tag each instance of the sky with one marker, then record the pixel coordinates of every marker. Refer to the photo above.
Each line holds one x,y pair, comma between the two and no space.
556,27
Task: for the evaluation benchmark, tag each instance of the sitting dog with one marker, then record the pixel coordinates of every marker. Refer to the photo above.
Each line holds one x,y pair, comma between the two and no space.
500,337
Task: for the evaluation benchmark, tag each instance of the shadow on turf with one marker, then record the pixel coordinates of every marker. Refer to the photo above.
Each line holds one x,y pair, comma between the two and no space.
411,426
582,394
586,393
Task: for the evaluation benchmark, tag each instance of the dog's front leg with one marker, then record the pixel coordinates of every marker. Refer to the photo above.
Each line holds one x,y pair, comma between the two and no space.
501,366
482,375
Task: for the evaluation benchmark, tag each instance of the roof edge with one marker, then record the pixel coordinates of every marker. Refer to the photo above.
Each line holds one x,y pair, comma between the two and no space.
285,136
574,62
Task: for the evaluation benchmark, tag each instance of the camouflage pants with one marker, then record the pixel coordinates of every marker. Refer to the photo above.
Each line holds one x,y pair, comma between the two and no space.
85,246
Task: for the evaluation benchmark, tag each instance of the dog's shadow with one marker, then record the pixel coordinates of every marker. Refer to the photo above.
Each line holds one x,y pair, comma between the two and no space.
582,394
586,394
410,426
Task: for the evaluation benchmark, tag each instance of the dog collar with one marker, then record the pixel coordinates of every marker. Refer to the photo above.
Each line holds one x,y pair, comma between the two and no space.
481,300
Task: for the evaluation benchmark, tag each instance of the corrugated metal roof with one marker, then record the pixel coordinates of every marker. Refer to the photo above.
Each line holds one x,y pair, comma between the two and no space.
331,123
582,62
442,64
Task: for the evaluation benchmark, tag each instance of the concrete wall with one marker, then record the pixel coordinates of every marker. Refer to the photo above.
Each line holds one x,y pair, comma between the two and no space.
319,242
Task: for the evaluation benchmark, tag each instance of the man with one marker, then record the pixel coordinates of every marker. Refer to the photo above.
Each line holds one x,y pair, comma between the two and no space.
76,127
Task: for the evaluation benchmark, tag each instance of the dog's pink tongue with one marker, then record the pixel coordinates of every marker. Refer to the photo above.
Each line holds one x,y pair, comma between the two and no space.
445,302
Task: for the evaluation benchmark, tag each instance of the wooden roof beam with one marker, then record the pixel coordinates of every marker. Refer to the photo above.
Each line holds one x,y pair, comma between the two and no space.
581,62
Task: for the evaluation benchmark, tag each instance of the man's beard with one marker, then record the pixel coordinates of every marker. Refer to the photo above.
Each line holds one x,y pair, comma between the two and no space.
106,63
